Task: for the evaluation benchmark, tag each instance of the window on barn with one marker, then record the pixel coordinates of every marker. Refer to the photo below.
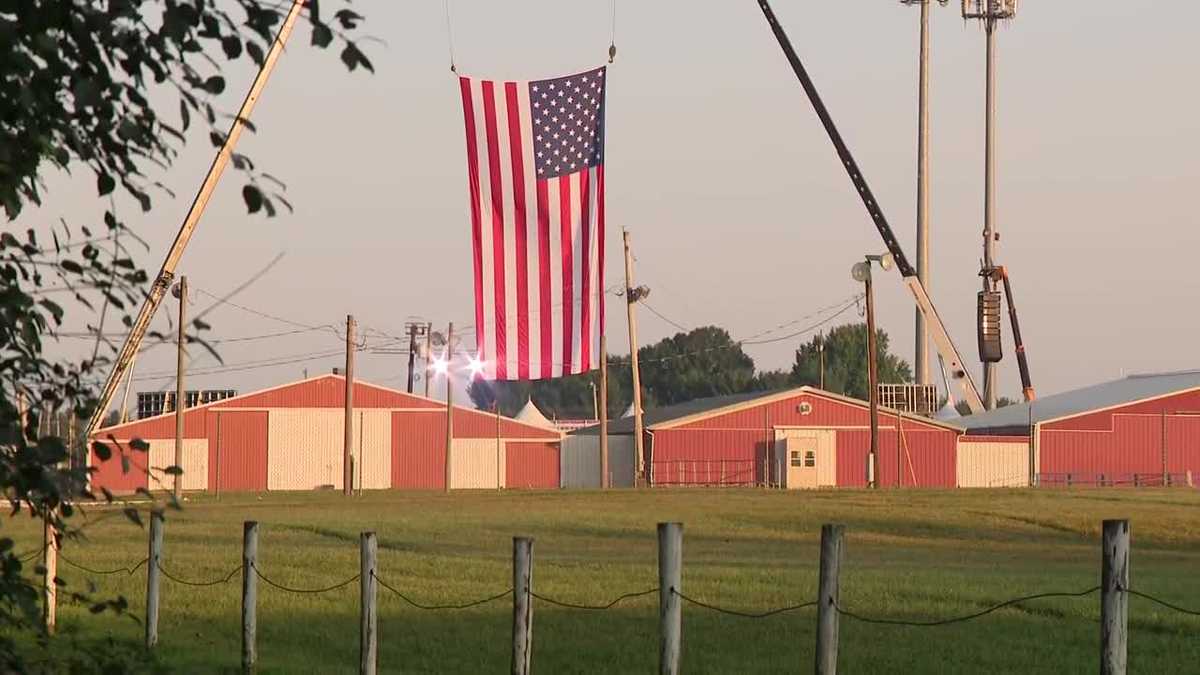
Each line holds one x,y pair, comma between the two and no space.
796,461
810,458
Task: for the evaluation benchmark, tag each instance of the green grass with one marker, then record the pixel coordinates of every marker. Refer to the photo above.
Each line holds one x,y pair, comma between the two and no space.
909,554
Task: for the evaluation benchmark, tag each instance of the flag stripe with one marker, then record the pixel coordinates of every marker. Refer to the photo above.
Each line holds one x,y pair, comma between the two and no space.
516,122
486,338
473,179
567,270
497,213
545,330
585,273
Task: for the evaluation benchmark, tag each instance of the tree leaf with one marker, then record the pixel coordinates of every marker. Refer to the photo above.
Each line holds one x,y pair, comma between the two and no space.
103,452
133,516
105,183
214,84
322,35
139,444
253,197
173,470
255,52
232,45
185,114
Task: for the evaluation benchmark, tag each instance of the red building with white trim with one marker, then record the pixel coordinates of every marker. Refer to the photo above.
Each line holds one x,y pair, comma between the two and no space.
291,437
1138,430
802,437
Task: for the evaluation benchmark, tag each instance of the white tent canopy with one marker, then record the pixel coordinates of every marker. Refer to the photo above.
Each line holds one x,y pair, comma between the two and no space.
531,415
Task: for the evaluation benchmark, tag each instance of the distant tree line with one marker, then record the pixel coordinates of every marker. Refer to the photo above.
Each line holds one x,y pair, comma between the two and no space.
703,362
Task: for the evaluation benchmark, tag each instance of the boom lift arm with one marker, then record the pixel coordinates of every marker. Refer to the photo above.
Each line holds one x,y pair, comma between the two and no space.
1000,274
166,273
941,339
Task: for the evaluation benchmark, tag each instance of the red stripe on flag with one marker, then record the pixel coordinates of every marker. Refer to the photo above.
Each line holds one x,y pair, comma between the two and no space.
600,243
473,178
568,273
489,113
544,314
516,148
585,248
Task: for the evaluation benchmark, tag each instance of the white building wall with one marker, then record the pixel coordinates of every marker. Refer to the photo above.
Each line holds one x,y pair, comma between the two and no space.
474,464
195,463
992,464
305,448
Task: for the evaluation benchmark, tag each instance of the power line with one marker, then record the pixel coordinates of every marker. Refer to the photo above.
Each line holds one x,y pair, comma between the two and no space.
659,314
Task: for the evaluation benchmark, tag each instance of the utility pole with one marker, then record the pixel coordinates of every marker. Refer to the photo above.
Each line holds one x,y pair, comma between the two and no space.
872,382
632,295
821,357
921,359
605,482
991,12
428,353
348,446
180,394
449,404
412,354
415,330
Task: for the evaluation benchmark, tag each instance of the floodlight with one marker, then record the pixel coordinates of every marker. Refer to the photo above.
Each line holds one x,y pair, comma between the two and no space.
886,261
861,272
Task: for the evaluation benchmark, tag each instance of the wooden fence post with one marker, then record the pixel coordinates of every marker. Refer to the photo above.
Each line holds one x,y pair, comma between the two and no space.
522,628
153,580
50,563
827,599
368,627
249,595
670,615
1114,602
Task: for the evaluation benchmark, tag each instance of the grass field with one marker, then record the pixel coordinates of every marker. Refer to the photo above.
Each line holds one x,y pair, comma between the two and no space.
910,554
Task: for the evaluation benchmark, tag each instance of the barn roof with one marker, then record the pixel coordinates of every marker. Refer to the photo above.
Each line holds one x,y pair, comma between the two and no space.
319,391
713,405
1086,400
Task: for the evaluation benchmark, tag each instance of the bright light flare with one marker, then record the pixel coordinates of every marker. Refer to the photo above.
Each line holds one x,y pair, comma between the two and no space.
476,365
441,366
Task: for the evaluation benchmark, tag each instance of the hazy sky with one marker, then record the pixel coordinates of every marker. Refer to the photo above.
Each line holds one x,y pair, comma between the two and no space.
740,212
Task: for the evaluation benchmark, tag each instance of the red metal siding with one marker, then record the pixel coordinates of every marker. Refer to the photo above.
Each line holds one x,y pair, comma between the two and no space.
418,451
476,424
162,426
237,450
328,392
698,456
1183,444
927,456
826,413
531,465
109,475
1135,445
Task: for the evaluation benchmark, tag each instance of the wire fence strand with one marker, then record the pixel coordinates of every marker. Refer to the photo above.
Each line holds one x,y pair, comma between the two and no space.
968,617
289,589
200,584
126,569
616,601
1160,601
414,603
745,615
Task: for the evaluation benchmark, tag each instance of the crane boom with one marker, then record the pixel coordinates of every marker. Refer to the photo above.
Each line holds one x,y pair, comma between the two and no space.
941,338
166,273
1022,362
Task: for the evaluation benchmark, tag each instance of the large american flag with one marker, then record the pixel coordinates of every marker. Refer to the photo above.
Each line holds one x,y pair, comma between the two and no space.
535,162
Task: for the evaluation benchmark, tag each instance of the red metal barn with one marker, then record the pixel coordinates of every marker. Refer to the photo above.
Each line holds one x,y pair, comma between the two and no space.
800,438
1139,430
291,437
